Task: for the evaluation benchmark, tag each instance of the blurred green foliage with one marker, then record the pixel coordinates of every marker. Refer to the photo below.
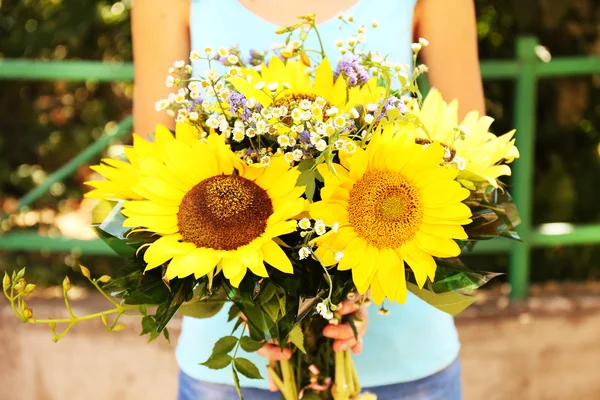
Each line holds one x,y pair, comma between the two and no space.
44,124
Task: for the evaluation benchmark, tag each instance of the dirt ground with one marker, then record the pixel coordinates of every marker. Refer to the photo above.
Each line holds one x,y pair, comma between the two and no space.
545,349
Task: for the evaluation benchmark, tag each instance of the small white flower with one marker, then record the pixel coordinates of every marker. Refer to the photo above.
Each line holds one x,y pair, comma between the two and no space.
180,118
331,111
321,308
339,121
305,104
178,64
272,86
304,253
320,227
423,42
250,132
304,223
335,227
334,321
266,113
261,126
350,147
289,157
351,41
194,56
339,144
170,81
338,256
205,104
321,145
188,69
161,104
194,94
223,52
349,18
372,107
193,85
260,85
212,122
461,163
283,140
208,50
354,113
179,98
416,47
233,59
265,160
360,38
235,71
251,103
212,74
369,118
374,23
223,125
194,116
286,85
339,43
297,154
297,114
238,135
327,315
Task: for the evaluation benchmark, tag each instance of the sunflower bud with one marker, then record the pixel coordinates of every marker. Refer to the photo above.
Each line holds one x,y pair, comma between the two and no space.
28,289
305,59
303,35
85,272
5,281
287,53
282,30
27,313
66,284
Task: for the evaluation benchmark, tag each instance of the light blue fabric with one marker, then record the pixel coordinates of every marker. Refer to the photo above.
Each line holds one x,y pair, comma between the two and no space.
444,385
415,340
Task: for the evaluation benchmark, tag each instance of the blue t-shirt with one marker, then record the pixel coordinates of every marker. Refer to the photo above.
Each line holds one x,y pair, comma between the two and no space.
414,340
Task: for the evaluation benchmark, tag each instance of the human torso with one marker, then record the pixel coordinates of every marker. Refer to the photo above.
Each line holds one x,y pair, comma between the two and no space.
414,340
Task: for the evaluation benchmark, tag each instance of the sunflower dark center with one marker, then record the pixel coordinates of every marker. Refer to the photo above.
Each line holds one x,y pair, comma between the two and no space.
224,212
385,209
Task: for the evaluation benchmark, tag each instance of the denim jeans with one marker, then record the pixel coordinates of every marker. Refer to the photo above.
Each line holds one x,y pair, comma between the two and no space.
444,385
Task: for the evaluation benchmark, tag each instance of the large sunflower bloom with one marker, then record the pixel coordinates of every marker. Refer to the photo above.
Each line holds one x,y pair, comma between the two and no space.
485,155
395,204
294,84
212,211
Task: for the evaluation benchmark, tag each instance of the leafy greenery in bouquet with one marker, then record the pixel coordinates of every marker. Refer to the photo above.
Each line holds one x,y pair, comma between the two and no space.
287,189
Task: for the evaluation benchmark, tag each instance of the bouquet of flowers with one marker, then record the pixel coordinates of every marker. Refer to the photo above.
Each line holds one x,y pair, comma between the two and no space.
289,186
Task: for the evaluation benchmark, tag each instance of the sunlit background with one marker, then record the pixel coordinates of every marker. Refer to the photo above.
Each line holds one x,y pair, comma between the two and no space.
44,124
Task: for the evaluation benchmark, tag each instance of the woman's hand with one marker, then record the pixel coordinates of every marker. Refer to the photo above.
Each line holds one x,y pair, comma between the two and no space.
343,333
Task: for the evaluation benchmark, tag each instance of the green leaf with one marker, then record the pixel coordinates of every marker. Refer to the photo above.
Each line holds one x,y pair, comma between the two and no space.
224,345
297,337
236,383
143,309
201,309
250,345
234,311
237,325
247,368
149,327
166,335
307,179
450,302
218,362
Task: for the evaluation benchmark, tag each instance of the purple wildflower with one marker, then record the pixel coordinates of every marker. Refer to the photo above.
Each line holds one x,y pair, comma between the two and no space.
392,102
237,104
355,73
305,138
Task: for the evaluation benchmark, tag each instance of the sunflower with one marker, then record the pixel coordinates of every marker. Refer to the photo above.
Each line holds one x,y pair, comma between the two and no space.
293,84
212,211
394,204
481,155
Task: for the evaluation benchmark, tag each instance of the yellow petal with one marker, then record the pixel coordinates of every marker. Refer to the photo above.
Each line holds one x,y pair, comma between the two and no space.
352,254
329,211
276,257
187,133
390,269
231,265
437,246
149,208
421,263
377,293
446,231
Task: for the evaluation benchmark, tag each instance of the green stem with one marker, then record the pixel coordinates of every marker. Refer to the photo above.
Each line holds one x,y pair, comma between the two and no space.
314,27
84,318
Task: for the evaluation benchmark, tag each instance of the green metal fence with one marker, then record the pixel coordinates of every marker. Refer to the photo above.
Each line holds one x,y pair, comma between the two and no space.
525,71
